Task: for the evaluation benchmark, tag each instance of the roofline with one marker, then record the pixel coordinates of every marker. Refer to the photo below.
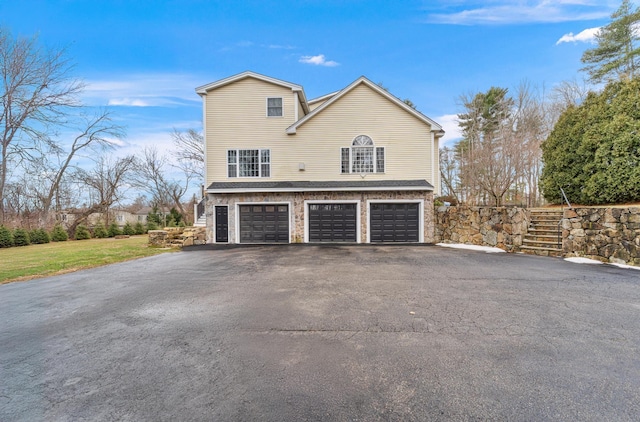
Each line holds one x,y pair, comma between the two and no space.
323,98
321,189
202,90
435,127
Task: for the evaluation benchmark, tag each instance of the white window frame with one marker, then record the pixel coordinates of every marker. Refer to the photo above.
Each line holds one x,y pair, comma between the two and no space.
281,107
261,163
376,151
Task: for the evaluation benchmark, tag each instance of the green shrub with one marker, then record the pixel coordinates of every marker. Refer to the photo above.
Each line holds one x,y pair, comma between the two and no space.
151,225
128,230
113,230
171,222
99,232
139,228
6,237
21,237
39,236
82,233
58,234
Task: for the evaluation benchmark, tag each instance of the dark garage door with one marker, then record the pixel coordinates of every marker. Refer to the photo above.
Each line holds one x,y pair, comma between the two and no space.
332,222
264,224
394,222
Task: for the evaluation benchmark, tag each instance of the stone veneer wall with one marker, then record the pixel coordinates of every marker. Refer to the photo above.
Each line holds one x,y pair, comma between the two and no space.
502,227
605,234
297,200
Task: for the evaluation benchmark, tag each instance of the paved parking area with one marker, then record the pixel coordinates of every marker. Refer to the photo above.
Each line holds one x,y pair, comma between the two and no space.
344,333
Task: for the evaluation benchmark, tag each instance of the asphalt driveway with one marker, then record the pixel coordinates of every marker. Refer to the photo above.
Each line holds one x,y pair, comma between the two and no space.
343,333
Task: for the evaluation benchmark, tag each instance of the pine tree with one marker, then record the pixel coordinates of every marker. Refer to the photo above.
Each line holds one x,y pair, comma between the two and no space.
6,237
617,53
21,237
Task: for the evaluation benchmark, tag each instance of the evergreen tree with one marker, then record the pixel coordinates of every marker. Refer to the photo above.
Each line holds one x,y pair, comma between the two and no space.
99,232
58,234
21,237
138,228
113,230
6,237
593,151
39,236
617,53
128,230
82,233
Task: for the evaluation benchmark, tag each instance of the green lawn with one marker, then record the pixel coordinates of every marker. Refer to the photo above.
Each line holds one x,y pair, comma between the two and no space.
26,262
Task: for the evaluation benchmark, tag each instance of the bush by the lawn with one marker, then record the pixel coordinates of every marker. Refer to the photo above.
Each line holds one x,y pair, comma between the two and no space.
128,229
21,237
58,234
139,228
6,237
99,232
39,236
113,230
82,233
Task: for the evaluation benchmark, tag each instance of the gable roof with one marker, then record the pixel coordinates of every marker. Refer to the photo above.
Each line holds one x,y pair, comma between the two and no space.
435,127
204,89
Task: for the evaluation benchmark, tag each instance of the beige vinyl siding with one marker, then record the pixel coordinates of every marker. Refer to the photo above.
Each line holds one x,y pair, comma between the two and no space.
316,104
362,111
236,118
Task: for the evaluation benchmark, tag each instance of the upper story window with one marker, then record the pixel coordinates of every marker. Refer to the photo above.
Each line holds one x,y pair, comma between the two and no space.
248,163
274,107
362,157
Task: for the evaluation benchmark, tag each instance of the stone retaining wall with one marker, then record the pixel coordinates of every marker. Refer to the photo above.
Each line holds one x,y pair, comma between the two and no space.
502,227
177,237
605,234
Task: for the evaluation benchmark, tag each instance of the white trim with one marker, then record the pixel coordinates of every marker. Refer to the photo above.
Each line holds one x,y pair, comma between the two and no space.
331,201
325,189
202,90
237,219
296,102
435,127
237,164
433,163
213,229
266,110
398,201
322,98
204,133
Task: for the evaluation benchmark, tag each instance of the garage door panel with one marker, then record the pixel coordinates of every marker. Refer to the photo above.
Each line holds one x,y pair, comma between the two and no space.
264,224
332,222
394,222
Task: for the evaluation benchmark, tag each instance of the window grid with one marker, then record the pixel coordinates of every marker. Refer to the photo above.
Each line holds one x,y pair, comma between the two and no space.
249,163
362,157
274,107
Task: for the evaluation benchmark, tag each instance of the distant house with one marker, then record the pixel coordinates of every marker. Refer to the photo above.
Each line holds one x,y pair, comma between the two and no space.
357,165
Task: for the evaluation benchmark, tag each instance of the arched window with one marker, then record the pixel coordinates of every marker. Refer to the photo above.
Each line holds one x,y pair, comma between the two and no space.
362,157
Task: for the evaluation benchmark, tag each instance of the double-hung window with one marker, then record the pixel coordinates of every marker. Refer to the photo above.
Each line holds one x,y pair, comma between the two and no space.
362,157
248,163
274,107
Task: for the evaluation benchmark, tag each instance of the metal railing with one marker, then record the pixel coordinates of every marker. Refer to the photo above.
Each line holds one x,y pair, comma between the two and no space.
564,196
200,209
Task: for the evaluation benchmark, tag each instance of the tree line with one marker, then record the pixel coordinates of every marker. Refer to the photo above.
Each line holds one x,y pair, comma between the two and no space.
523,148
46,131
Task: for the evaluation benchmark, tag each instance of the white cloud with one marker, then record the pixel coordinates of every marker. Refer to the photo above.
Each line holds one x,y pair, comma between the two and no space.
499,12
143,90
281,47
318,60
449,123
588,35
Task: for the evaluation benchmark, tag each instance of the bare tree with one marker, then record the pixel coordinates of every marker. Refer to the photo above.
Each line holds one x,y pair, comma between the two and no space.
36,91
106,182
94,134
190,152
153,174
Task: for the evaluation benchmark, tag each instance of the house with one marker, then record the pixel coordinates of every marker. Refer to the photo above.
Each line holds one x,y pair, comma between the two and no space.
357,165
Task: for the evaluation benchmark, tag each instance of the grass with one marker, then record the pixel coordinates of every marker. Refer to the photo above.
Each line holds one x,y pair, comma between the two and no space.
27,262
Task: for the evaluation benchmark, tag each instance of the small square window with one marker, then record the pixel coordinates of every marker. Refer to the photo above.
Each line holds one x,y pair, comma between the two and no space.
274,107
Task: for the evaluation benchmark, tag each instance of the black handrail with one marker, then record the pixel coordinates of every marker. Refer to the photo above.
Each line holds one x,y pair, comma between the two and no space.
200,208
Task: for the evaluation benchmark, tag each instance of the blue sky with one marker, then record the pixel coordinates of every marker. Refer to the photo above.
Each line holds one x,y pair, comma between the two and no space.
143,59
